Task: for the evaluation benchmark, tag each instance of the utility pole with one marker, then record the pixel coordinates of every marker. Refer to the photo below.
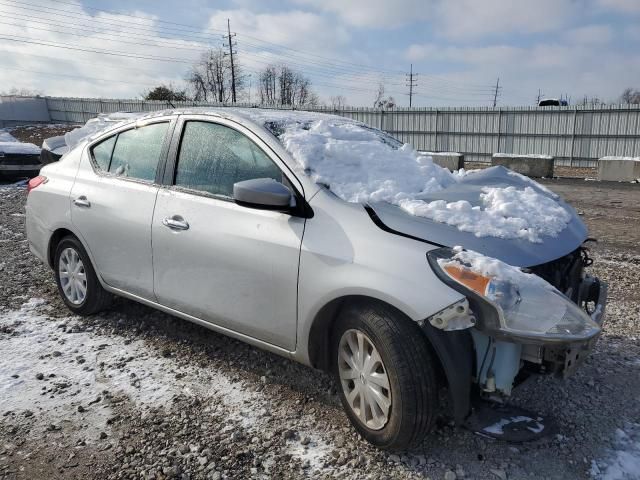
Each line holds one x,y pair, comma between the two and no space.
540,94
233,69
411,78
495,95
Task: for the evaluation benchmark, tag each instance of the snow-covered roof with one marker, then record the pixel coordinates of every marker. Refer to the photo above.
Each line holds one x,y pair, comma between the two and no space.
19,148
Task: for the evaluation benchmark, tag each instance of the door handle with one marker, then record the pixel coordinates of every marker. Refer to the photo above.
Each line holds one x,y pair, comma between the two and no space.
176,223
82,201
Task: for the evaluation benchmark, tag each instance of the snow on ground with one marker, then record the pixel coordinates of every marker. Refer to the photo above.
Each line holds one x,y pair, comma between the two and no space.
631,159
520,155
623,463
66,374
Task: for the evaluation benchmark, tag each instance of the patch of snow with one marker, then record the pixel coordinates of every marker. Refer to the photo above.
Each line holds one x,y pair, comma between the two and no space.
520,155
98,125
7,137
494,268
448,154
630,159
13,147
50,367
498,427
505,213
623,463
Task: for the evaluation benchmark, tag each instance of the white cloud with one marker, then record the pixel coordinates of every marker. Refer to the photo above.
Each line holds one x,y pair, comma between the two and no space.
590,34
460,19
303,30
58,71
374,13
624,6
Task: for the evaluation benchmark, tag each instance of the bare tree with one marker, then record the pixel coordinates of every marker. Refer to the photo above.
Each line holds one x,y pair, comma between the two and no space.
630,96
22,92
210,78
380,101
379,95
281,85
338,101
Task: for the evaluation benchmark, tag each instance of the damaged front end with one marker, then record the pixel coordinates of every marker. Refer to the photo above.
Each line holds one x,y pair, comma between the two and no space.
545,319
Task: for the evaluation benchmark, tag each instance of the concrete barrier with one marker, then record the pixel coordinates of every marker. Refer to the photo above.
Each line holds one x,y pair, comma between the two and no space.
537,166
450,160
619,169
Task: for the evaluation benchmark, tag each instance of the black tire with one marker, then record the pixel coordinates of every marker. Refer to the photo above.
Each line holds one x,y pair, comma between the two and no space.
410,368
96,298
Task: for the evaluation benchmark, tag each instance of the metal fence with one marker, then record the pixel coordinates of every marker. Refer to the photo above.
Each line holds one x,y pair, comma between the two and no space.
574,136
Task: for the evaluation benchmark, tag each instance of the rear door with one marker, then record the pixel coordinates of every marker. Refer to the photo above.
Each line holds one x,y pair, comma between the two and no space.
234,266
112,202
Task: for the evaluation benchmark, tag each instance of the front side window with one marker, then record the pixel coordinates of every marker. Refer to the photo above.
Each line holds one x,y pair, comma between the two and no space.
137,152
213,157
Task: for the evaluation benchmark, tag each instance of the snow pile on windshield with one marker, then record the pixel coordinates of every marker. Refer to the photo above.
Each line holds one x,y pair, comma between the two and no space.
361,164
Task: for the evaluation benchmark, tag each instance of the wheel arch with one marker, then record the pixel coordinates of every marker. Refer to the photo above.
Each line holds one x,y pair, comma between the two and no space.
454,351
54,240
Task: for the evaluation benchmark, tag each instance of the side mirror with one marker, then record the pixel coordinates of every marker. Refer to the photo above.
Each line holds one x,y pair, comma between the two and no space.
265,193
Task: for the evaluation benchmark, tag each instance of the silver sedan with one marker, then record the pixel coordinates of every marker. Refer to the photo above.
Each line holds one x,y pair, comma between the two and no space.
209,215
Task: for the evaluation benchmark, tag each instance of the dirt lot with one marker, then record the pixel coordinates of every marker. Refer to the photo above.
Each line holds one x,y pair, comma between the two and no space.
134,393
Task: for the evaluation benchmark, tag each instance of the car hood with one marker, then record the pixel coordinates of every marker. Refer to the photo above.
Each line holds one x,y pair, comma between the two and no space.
517,252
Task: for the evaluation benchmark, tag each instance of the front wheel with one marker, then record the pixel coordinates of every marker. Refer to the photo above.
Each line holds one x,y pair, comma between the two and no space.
77,281
386,374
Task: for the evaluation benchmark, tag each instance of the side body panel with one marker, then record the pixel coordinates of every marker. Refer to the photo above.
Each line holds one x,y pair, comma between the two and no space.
48,206
344,253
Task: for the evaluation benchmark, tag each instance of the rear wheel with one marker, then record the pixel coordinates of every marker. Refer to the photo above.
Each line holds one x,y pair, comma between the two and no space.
386,375
77,281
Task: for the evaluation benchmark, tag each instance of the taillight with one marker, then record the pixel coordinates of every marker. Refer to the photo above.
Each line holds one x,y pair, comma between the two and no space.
36,182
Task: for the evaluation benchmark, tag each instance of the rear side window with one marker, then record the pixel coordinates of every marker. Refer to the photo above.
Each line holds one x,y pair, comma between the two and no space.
102,153
213,157
137,152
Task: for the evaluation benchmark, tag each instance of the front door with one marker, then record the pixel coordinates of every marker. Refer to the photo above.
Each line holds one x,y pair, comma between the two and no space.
231,265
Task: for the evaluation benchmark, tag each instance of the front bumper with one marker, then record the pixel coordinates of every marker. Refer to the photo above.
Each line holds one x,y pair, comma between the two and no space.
564,360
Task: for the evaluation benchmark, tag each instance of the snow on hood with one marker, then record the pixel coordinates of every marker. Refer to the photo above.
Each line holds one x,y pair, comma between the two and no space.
364,165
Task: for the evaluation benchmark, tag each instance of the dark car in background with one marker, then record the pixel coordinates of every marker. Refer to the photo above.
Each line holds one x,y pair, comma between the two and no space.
19,159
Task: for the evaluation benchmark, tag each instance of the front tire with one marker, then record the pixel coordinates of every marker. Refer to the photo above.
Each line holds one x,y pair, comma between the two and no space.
385,374
77,281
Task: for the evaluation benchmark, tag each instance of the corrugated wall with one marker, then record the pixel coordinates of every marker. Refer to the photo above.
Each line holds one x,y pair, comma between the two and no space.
575,136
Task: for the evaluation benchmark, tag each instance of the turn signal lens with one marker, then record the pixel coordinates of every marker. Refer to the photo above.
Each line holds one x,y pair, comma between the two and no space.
477,283
36,182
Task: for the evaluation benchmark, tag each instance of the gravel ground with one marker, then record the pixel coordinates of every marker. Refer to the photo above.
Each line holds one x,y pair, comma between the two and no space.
134,393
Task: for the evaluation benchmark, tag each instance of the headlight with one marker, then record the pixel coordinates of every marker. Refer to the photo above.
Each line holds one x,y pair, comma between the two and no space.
524,305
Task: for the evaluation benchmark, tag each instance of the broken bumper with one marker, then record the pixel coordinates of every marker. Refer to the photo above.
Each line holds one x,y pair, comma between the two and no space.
563,360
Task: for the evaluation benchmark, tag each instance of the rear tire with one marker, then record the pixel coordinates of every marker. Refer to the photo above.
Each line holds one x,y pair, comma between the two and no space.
406,361
77,281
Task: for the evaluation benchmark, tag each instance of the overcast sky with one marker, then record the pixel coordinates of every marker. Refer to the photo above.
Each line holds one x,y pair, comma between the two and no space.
458,47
